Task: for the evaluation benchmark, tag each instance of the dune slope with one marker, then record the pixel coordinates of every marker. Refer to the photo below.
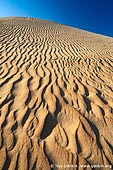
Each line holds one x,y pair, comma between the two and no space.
56,96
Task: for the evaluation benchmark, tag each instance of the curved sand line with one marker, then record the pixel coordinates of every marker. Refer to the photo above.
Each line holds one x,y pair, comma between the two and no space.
56,96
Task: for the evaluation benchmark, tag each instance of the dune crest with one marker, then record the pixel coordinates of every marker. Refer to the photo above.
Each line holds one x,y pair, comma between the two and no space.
56,96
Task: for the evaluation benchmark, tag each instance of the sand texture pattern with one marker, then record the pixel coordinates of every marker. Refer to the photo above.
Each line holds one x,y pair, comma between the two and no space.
56,96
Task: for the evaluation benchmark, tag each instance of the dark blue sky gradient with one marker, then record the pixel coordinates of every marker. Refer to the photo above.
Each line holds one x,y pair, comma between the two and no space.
91,15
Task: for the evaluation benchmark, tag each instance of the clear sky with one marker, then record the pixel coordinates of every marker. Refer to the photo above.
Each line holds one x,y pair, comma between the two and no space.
91,15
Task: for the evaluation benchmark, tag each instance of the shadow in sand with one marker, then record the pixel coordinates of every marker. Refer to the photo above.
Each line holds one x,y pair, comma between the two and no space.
96,131
50,123
7,163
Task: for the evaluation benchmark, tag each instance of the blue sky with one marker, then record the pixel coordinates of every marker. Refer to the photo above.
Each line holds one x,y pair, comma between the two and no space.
91,15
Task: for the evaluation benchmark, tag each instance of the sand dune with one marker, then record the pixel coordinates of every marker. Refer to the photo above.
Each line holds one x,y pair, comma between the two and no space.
56,96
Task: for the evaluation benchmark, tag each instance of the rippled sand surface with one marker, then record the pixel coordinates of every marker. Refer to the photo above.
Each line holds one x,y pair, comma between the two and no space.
56,96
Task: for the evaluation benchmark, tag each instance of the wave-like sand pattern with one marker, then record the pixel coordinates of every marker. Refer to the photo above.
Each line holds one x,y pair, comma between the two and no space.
56,96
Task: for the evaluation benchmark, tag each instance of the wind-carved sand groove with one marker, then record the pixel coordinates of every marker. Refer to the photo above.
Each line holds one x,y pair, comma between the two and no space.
56,96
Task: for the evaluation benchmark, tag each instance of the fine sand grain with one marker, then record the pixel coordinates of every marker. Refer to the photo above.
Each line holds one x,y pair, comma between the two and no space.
56,97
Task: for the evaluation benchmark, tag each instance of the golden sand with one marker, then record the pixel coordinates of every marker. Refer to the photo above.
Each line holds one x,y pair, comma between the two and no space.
56,96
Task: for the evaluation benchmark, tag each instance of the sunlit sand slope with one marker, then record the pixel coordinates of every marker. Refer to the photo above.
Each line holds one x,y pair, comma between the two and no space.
56,96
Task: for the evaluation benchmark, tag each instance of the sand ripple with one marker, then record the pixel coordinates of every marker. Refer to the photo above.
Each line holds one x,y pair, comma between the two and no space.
56,96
